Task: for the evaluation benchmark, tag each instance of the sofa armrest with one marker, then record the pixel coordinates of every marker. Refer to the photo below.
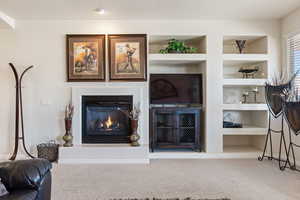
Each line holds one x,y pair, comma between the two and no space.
24,174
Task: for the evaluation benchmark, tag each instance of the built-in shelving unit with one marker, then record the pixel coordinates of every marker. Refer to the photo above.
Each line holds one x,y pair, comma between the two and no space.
254,45
231,68
174,62
245,107
242,149
252,114
244,82
245,58
246,130
176,59
177,63
158,42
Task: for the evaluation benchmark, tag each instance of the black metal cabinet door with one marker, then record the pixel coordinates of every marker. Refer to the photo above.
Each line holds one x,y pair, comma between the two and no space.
186,127
164,129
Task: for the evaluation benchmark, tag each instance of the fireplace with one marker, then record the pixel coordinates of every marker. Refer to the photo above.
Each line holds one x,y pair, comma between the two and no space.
104,119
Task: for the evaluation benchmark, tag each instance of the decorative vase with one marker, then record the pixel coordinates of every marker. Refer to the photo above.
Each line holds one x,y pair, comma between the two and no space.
241,45
68,138
134,138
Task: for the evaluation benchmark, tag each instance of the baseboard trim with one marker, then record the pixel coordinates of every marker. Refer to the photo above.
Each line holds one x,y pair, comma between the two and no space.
103,161
194,155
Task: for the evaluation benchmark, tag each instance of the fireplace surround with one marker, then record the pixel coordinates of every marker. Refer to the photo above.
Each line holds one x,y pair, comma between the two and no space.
107,153
104,119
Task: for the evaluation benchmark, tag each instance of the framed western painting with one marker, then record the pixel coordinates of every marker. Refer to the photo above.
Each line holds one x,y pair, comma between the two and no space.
128,57
86,57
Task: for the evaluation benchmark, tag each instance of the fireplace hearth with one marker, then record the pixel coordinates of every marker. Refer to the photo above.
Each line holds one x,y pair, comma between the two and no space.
104,119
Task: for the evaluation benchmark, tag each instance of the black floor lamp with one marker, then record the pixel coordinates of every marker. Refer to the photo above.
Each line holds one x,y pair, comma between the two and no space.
274,102
19,111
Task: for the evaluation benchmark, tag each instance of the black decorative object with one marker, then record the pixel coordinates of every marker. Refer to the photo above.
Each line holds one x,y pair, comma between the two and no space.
292,113
274,102
241,45
273,98
19,110
248,72
227,124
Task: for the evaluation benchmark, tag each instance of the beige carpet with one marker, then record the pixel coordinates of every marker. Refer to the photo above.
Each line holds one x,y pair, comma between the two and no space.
235,179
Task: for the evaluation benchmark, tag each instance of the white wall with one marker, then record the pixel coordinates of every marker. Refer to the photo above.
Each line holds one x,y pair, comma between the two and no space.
42,44
290,25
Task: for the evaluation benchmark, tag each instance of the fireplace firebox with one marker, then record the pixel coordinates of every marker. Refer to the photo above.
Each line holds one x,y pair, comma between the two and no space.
104,119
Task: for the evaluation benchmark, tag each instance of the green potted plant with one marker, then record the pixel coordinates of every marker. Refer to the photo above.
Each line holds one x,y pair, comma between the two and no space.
176,46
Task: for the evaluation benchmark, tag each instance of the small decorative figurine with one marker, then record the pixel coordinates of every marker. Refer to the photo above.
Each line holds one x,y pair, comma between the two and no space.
248,72
68,138
255,92
245,95
241,45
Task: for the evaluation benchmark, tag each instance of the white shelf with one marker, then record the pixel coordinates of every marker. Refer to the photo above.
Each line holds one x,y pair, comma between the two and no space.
176,58
246,57
245,131
246,82
245,107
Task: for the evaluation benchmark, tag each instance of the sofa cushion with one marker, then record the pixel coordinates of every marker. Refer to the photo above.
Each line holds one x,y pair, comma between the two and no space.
21,195
3,190
24,174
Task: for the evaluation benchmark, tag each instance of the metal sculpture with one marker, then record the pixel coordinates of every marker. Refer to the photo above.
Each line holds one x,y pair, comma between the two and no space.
249,72
291,113
19,113
274,102
241,44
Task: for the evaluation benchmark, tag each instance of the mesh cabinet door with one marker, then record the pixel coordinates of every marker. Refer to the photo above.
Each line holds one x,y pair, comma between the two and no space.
187,128
165,128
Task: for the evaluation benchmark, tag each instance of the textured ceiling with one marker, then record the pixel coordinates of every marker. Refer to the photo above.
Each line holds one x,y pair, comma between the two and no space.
149,9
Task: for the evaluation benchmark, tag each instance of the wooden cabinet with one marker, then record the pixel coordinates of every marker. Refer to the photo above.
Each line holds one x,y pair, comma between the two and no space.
175,128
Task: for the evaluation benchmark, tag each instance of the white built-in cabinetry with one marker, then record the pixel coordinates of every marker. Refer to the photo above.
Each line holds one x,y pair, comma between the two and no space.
253,116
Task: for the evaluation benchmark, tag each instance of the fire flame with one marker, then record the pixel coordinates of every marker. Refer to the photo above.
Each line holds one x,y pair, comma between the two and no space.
108,122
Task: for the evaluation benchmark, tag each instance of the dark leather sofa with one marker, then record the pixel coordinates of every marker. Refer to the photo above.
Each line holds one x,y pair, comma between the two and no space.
26,179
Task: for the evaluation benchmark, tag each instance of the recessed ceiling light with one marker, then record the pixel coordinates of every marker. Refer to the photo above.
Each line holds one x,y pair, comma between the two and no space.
99,11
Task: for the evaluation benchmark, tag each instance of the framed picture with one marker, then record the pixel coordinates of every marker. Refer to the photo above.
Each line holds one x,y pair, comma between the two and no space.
85,58
127,57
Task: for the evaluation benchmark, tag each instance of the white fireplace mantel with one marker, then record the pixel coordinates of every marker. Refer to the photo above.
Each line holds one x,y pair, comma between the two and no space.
106,153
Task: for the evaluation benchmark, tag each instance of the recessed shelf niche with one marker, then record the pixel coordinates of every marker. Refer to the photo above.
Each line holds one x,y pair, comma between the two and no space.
158,42
232,67
249,144
234,94
254,44
248,118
